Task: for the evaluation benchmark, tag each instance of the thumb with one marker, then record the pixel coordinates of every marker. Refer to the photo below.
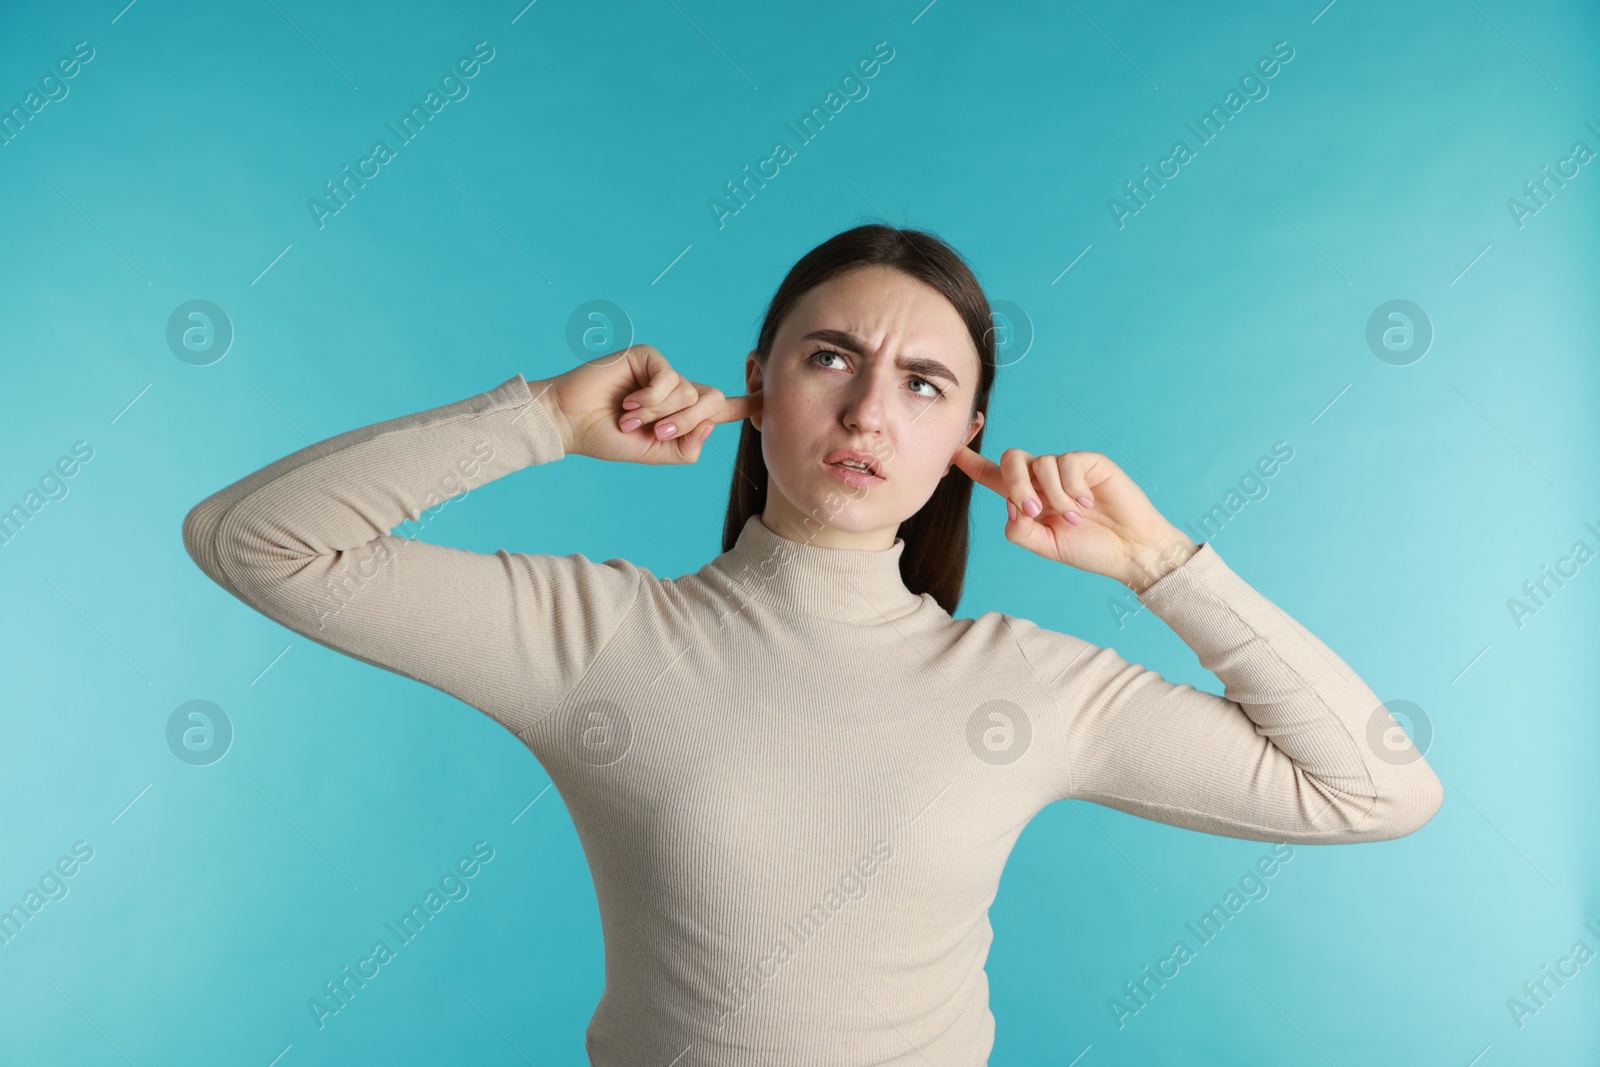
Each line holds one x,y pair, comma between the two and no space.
690,444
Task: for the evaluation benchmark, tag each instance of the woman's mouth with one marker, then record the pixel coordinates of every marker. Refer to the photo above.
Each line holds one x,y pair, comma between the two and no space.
854,473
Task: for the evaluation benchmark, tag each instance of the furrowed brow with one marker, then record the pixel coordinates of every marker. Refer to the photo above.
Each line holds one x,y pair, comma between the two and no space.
922,365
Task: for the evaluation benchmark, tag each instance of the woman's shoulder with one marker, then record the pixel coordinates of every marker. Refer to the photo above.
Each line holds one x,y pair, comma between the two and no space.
1035,643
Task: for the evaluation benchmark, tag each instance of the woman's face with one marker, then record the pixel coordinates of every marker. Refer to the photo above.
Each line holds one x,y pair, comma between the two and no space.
878,362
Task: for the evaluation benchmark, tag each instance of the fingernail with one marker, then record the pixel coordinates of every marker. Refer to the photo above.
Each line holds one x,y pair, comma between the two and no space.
629,405
1086,502
1031,506
1011,510
1074,518
666,430
628,424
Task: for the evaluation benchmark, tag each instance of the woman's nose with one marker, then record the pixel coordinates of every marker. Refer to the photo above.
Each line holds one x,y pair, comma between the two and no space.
865,403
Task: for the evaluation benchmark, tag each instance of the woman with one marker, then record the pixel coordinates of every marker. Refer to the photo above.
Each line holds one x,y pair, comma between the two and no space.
795,775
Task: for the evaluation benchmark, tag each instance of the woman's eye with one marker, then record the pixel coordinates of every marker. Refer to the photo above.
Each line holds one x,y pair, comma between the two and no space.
823,353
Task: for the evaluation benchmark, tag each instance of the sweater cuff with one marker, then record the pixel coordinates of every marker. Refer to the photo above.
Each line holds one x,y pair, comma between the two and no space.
1185,577
544,437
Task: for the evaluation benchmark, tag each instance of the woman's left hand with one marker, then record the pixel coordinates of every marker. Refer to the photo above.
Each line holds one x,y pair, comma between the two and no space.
1090,514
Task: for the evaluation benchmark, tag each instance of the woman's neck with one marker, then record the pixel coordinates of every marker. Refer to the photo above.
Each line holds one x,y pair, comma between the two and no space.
819,529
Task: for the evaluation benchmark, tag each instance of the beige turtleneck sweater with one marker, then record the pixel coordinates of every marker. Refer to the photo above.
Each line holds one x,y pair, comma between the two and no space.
795,781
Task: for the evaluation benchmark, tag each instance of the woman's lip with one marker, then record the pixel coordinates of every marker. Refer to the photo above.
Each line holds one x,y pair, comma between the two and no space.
852,477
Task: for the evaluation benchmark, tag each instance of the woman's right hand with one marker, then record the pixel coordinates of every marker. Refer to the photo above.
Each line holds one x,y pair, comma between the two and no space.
632,407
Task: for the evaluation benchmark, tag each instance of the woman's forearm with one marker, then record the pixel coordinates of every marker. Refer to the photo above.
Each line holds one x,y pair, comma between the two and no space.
306,541
1288,752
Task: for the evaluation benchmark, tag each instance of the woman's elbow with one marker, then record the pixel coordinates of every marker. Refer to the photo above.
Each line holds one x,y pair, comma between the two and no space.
1407,808
230,546
1430,794
200,534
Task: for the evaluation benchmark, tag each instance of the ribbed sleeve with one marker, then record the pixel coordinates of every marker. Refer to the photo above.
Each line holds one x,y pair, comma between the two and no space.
306,541
1289,753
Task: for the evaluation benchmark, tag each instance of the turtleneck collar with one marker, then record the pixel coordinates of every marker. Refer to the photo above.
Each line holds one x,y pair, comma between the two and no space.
857,586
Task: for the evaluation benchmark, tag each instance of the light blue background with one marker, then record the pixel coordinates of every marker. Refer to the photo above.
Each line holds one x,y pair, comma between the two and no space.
1229,314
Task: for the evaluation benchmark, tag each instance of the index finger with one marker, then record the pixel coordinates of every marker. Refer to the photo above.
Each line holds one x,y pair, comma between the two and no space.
736,408
981,469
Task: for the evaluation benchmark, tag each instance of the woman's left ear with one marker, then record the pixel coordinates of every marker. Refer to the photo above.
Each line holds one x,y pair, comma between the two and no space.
977,420
754,381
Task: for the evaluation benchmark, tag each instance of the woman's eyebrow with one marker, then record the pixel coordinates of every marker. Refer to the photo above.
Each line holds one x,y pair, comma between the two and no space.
915,364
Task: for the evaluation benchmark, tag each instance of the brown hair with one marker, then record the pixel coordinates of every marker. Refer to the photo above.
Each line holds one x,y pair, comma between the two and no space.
935,557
